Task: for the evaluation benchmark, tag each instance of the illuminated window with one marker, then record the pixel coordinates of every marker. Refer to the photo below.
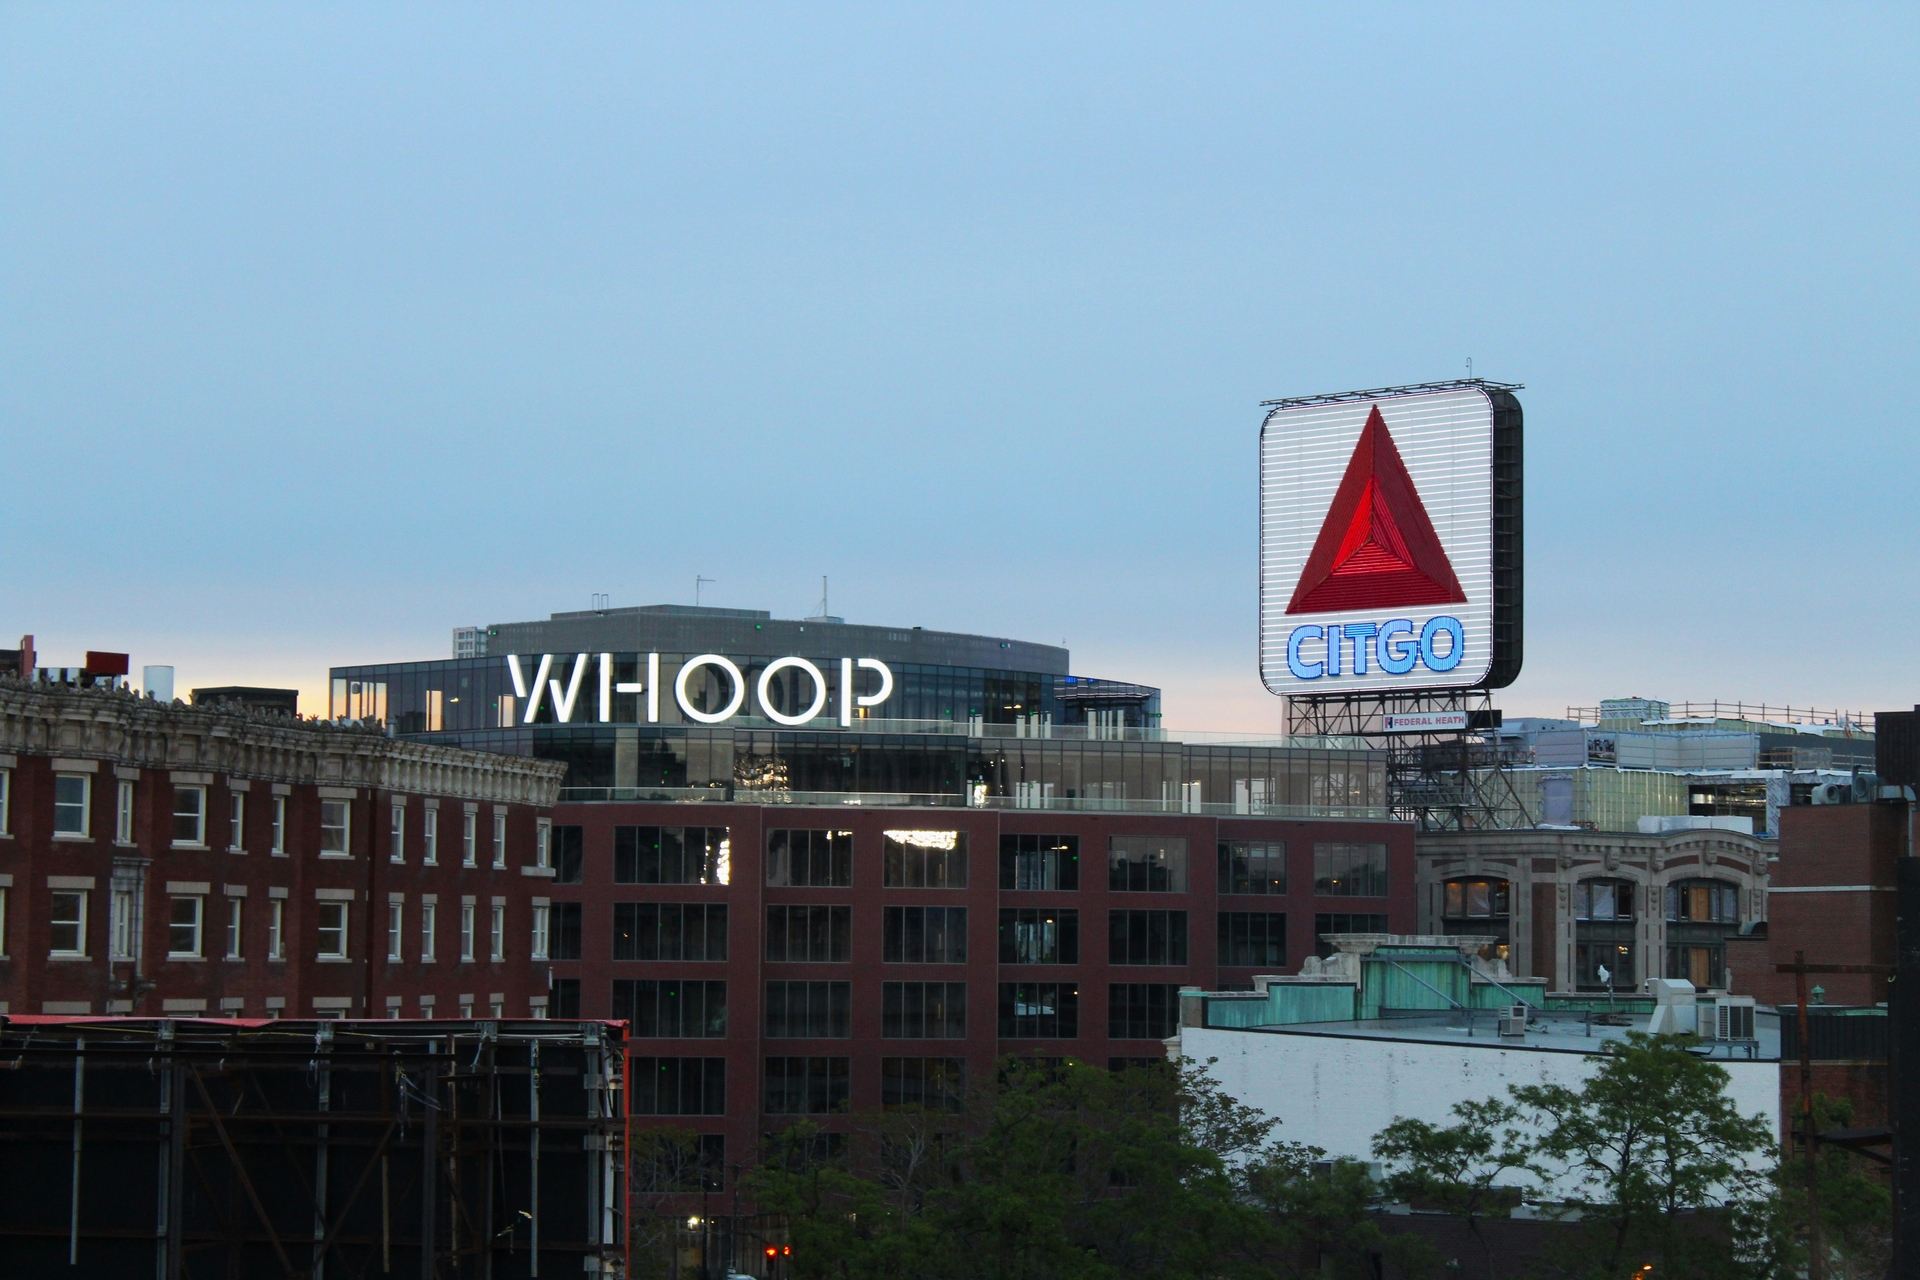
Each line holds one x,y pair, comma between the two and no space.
924,860
1476,899
1350,870
1253,866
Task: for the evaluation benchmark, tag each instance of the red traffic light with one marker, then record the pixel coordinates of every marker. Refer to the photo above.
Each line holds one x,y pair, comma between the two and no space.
786,1251
772,1252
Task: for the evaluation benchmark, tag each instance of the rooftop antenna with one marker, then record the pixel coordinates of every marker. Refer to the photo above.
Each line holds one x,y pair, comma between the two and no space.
824,611
1469,368
698,582
601,601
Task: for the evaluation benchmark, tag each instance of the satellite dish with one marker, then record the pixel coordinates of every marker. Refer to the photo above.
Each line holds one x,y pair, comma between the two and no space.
1605,974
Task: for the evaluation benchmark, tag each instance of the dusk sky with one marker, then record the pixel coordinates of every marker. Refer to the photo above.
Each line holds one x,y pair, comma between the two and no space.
327,328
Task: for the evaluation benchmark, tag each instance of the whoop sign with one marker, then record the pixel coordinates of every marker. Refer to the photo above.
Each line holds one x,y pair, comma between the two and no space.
1390,540
565,699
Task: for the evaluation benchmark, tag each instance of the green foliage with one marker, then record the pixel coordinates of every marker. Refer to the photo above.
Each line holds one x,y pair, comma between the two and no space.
1856,1204
1472,1169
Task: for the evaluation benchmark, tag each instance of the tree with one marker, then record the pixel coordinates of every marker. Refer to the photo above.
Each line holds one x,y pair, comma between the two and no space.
1466,1169
1856,1207
1663,1167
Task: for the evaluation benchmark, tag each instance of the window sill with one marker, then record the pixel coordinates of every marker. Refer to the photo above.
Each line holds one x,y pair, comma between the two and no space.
75,836
276,853
548,872
232,849
68,956
125,844
398,862
233,959
498,866
184,956
333,960
194,846
337,857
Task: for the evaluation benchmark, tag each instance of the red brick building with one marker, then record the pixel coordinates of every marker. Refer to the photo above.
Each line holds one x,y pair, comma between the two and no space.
780,960
163,859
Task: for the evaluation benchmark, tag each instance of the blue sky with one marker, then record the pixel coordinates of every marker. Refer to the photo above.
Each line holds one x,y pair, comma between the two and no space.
326,328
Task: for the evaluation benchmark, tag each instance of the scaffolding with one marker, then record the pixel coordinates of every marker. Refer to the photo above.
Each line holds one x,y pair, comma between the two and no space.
1445,781
185,1149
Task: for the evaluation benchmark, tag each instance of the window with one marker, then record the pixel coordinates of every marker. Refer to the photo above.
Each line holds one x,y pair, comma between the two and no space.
1039,935
277,929
810,934
925,935
122,814
428,913
1603,900
569,853
3,921
466,931
1146,937
1147,864
1615,957
923,1010
469,839
333,930
335,816
1253,866
671,855
1350,870
537,947
1343,922
396,925
497,934
701,1166
669,931
397,834
819,859
6,800
1704,900
1704,966
563,998
935,1083
279,826
669,1009
1039,1011
237,822
565,942
924,859
809,1010
1142,1010
543,843
70,803
67,922
499,839
1040,862
189,816
676,1086
1476,899
805,1086
234,906
1253,938
120,925
183,927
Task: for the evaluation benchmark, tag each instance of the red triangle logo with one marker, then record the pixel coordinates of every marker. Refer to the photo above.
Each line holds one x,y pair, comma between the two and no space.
1377,549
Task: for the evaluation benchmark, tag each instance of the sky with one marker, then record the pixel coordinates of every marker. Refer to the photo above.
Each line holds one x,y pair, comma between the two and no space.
325,329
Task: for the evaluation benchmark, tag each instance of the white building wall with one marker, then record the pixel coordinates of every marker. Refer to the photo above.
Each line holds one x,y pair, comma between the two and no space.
1335,1093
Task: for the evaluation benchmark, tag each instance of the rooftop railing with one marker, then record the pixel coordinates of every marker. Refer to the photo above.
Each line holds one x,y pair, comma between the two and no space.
964,800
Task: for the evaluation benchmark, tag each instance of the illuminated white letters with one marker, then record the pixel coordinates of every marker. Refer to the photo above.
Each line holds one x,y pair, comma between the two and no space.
545,687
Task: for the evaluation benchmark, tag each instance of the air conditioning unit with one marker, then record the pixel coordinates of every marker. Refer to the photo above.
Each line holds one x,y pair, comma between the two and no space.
1732,1018
1513,1022
1832,793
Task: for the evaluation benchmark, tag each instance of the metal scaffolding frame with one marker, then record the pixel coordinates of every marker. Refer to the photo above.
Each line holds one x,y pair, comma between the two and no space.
187,1149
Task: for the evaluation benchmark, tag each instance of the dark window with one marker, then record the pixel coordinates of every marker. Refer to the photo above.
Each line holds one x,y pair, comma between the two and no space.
1615,957
1707,901
569,846
939,1083
924,860
1343,922
805,1086
669,931
669,1009
679,1086
671,855
1253,866
815,859
1703,966
1040,862
1142,1010
1039,1011
1476,899
1253,938
1343,870
810,934
925,935
1603,900
923,1010
809,1010
1146,937
563,998
1039,935
564,944
700,1166
1147,864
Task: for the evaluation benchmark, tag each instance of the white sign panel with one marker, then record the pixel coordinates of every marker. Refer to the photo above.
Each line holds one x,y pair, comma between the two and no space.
1425,722
1376,543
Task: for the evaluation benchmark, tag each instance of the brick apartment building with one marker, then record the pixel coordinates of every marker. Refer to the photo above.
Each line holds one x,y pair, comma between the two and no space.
163,859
